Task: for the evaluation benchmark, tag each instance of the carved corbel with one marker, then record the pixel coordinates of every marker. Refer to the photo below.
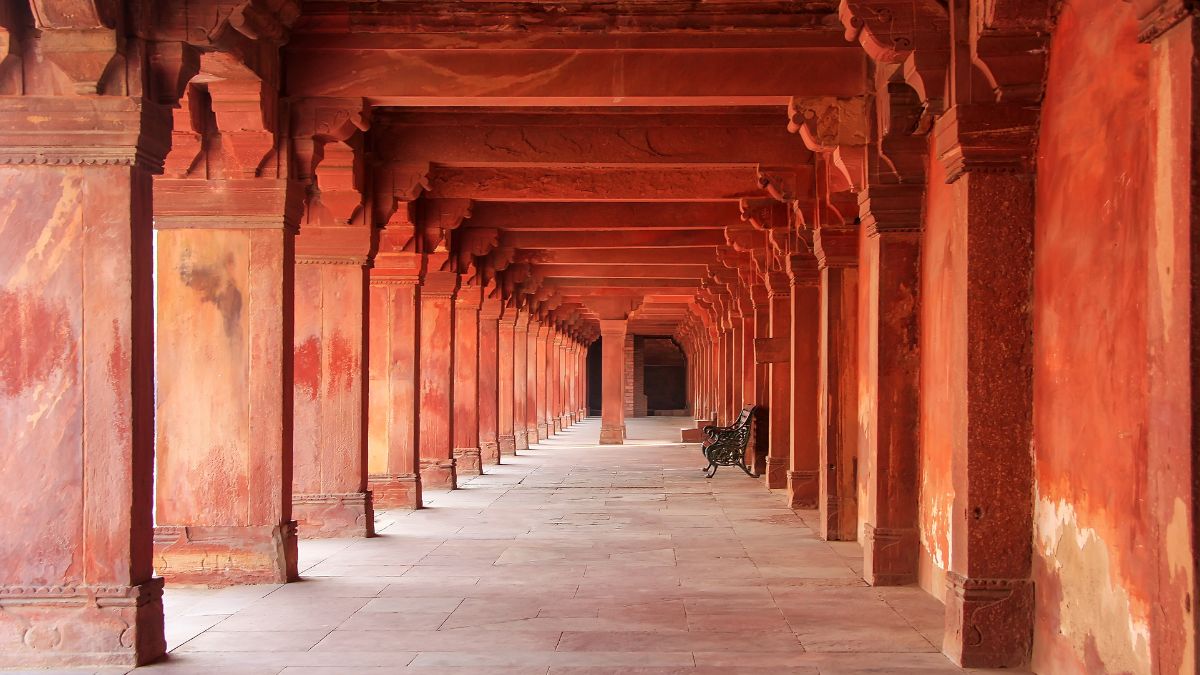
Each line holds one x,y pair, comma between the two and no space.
763,214
779,182
914,33
317,122
470,245
1156,17
1009,40
838,128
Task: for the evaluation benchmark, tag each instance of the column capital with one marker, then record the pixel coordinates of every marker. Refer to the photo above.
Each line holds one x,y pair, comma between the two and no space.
85,131
836,247
255,203
439,284
891,209
986,137
614,327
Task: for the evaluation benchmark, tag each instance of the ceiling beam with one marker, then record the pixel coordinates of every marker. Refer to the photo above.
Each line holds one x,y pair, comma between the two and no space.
659,184
604,216
625,239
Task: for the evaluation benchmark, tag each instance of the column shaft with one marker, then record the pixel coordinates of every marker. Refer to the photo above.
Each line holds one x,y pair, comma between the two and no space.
77,383
531,381
489,383
612,409
779,446
225,404
804,475
394,332
467,455
329,484
521,380
434,400
505,383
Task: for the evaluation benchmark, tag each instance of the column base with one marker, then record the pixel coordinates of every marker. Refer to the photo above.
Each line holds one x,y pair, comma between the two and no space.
521,440
691,436
836,516
395,490
438,474
581,415
489,452
890,555
989,622
71,626
777,473
804,489
558,425
216,555
334,515
531,435
543,431
468,461
612,435
508,445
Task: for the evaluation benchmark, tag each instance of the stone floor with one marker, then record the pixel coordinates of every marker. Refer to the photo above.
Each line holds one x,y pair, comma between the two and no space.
571,558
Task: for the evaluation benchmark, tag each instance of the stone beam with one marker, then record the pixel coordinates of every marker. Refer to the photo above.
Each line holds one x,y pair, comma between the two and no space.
622,271
642,239
573,77
654,285
586,257
572,216
587,139
673,183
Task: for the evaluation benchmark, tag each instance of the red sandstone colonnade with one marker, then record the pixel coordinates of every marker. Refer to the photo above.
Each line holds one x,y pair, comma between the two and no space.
270,265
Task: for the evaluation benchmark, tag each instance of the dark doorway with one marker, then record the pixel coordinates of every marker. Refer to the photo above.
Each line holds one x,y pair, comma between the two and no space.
664,377
595,386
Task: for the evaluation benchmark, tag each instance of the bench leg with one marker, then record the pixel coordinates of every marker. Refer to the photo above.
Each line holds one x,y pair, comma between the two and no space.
712,471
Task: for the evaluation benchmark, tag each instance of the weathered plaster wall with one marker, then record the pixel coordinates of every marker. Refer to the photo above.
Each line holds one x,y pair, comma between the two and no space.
943,421
1112,551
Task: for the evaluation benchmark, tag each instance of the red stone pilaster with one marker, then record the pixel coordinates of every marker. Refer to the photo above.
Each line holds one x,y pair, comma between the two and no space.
554,382
521,380
489,383
837,255
329,484
435,398
762,382
541,375
780,377
804,473
226,261
392,414
531,381
467,458
989,597
889,365
506,365
77,584
612,408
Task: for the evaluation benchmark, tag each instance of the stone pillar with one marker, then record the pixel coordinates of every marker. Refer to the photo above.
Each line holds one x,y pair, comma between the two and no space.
747,365
628,387
329,484
531,381
506,364
394,331
77,584
554,383
762,383
541,376
467,459
889,368
989,596
489,382
521,380
225,321
804,474
612,408
779,374
436,363
837,255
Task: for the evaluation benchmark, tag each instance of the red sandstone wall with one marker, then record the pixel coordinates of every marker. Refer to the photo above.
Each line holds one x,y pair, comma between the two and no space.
1112,556
943,373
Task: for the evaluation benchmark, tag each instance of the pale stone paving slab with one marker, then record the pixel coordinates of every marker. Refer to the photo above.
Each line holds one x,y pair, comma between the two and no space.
572,558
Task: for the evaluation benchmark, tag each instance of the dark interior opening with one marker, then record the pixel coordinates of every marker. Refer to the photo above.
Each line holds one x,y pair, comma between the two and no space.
664,378
595,386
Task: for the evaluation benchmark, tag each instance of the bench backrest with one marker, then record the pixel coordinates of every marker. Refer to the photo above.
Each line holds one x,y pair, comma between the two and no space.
745,416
